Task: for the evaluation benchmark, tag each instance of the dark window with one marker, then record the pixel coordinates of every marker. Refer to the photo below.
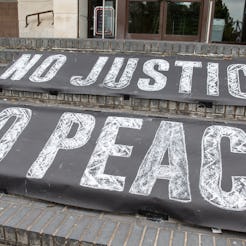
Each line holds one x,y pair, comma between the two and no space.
183,18
144,17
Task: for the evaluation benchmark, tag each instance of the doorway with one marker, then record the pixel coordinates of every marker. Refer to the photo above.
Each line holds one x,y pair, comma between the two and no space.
102,18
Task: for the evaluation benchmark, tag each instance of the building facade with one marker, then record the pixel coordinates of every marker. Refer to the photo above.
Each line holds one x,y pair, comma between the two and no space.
176,20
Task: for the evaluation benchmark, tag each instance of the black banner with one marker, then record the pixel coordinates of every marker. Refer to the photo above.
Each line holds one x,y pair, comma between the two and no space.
177,78
191,170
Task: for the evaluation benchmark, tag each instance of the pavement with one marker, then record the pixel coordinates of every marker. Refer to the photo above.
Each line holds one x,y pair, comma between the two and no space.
25,221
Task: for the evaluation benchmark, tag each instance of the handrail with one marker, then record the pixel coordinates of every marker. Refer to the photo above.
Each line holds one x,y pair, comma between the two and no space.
38,15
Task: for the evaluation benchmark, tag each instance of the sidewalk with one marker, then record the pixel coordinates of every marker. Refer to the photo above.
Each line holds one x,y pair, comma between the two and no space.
31,222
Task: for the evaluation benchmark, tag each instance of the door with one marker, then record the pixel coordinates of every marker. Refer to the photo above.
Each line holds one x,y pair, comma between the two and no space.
167,20
101,18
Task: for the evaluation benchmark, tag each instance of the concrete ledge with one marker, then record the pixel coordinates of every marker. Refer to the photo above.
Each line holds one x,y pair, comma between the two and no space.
126,46
32,222
130,104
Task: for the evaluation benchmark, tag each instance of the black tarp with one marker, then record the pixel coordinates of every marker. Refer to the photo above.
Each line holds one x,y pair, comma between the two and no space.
204,79
122,143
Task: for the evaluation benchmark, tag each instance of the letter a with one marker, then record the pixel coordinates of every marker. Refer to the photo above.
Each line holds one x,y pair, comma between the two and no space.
169,136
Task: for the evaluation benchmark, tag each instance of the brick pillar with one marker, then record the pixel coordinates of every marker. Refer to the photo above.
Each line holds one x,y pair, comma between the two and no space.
8,19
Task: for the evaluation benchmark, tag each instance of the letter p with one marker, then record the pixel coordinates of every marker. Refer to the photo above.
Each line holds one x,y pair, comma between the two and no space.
60,140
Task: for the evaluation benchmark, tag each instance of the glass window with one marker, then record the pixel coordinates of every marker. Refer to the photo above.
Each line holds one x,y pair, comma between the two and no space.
144,17
228,23
100,26
183,18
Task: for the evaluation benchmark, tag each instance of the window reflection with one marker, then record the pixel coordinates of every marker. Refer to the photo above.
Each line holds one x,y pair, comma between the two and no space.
228,24
143,17
183,18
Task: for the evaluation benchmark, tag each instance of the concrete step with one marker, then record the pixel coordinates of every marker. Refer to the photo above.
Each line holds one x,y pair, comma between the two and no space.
162,108
26,221
127,46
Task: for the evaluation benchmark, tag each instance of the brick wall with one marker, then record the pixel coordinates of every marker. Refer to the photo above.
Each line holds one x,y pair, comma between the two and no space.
8,19
143,106
126,46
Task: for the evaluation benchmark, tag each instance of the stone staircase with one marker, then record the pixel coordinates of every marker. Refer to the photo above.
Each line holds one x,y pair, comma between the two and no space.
70,226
